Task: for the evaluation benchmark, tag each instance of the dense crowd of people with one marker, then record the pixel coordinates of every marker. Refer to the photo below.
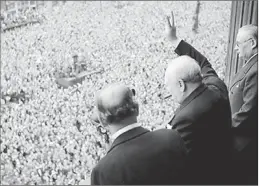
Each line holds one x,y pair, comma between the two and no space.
49,138
22,18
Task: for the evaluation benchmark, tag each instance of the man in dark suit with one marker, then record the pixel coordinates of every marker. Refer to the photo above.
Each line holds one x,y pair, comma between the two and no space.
243,94
137,156
204,116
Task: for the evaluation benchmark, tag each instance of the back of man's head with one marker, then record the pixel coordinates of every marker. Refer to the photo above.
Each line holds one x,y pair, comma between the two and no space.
182,75
115,103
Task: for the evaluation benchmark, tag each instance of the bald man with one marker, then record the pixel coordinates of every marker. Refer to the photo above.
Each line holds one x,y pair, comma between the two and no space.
137,156
204,117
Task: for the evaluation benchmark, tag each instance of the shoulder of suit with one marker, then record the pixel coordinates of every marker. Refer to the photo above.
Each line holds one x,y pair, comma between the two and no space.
253,71
106,165
252,76
203,101
220,92
165,133
172,139
254,68
103,162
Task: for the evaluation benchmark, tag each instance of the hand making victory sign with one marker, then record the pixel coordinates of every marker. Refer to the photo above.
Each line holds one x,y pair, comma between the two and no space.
171,28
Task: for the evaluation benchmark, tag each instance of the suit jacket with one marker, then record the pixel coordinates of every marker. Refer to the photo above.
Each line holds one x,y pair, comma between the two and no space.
141,157
243,94
204,121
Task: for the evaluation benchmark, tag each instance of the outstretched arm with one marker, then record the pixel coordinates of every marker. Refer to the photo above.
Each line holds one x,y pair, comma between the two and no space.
210,76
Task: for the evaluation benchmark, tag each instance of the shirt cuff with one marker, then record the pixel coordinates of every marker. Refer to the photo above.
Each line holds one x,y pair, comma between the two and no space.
176,42
168,126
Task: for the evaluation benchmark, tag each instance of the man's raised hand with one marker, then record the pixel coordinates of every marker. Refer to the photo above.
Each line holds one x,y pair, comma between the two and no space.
171,28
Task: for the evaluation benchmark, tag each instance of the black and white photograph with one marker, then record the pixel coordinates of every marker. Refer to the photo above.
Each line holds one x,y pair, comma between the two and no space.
129,93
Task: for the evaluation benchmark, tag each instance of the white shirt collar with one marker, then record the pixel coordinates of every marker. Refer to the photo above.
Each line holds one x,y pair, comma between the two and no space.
124,129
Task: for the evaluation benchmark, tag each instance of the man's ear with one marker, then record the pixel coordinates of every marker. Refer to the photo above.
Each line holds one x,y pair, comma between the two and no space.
254,43
133,92
182,85
101,119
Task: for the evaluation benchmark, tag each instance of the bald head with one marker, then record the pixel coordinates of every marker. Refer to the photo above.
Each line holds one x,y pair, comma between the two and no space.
182,75
185,68
115,103
249,31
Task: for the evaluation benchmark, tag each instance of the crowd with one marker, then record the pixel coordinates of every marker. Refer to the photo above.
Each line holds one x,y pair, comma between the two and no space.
23,17
49,139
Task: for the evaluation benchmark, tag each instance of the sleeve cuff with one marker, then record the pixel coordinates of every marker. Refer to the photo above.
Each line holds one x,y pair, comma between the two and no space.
168,126
176,43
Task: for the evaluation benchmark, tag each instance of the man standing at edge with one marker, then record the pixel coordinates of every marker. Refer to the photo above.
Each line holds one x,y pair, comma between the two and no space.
204,116
243,94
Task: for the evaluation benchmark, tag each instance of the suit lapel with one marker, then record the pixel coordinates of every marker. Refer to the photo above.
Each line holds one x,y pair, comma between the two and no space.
129,135
243,71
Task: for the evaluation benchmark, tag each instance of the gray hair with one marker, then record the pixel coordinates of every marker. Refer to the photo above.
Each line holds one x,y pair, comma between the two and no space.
185,68
251,30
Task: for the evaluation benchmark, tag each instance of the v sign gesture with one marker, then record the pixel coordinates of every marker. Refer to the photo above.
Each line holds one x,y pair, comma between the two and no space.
171,28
